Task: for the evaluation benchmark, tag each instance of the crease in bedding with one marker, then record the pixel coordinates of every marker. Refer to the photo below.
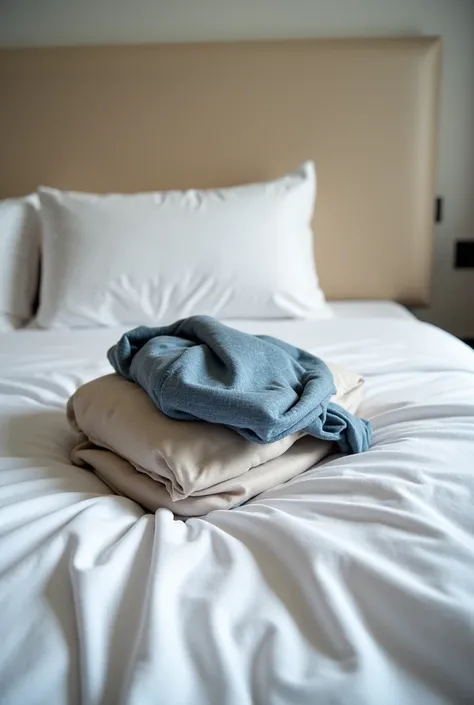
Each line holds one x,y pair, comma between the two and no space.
350,583
261,387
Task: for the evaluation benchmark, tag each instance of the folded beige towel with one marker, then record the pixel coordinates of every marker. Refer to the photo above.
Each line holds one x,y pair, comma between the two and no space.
190,467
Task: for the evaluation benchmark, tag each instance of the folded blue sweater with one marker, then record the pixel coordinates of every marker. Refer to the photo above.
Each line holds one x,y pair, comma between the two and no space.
262,387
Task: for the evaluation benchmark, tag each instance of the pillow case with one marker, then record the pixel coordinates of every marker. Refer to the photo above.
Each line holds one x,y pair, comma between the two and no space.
19,260
152,258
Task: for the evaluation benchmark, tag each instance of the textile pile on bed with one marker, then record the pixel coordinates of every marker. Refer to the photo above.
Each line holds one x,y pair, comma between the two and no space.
199,416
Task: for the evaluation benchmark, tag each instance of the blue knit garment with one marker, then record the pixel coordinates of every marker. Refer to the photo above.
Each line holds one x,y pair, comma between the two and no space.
262,387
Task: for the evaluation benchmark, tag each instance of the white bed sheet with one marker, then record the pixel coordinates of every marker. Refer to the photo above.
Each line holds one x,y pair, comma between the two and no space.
353,583
369,309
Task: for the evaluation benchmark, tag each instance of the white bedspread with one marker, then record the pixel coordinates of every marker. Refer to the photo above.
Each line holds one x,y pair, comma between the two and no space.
353,583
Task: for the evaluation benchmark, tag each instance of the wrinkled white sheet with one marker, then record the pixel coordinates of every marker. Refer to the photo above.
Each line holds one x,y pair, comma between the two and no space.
353,583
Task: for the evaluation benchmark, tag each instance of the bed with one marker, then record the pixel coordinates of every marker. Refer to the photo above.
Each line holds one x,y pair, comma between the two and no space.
354,581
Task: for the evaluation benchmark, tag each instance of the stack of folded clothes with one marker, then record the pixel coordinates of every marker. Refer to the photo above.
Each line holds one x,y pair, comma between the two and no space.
200,416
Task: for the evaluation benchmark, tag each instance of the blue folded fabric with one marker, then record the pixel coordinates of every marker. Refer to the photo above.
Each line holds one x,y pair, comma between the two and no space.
262,387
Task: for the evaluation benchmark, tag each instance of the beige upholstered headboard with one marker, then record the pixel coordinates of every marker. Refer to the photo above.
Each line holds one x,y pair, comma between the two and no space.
130,118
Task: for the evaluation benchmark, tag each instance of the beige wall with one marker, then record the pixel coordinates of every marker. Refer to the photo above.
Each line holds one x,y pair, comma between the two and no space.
49,22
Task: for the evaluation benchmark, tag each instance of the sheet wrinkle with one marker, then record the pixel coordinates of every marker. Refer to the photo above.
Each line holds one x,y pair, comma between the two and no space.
402,599
408,646
125,619
295,598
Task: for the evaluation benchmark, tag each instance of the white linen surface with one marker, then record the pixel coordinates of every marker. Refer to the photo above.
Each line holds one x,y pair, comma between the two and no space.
369,309
352,583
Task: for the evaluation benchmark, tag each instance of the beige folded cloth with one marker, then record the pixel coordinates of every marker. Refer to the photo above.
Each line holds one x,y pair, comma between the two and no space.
190,467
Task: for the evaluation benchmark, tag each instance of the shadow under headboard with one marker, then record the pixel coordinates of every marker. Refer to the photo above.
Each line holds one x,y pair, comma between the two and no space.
133,118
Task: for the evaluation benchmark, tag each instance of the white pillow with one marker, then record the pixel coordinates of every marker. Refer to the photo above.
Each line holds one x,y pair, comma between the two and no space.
19,259
151,258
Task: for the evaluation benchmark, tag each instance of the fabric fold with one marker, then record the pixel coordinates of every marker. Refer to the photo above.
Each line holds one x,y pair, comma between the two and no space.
259,386
190,467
